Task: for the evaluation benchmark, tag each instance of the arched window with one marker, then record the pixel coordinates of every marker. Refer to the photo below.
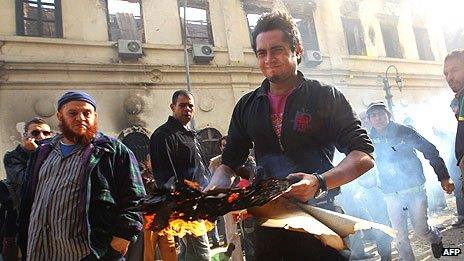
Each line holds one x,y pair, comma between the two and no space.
209,140
136,139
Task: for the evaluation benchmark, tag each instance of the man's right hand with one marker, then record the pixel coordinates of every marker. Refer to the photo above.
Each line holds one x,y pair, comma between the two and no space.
222,178
29,144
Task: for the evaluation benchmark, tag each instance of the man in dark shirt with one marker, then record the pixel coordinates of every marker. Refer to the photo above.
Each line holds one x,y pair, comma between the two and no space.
176,156
402,178
453,70
15,162
295,124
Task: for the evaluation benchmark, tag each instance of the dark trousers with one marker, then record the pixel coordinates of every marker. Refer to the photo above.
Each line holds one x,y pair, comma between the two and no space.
280,244
111,255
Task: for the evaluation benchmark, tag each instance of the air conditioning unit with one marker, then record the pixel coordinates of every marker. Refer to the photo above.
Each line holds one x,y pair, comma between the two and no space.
129,48
313,58
202,53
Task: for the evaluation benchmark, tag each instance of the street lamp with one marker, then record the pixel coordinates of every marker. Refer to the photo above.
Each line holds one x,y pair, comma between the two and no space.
387,87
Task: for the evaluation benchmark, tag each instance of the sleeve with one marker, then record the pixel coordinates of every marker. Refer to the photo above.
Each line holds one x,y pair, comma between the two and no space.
429,151
15,166
162,152
238,141
345,127
128,222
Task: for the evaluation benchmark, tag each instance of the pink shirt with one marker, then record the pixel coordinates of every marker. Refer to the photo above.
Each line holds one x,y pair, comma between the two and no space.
277,103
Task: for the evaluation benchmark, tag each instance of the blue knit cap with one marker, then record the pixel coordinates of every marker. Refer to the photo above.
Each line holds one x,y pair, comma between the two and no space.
76,96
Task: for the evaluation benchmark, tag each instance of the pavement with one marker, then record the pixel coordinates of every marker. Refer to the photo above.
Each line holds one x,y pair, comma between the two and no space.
452,237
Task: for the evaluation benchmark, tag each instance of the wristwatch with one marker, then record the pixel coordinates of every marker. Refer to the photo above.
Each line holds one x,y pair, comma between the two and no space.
322,190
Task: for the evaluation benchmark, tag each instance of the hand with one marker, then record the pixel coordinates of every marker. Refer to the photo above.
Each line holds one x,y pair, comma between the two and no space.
120,245
447,185
29,144
304,189
222,178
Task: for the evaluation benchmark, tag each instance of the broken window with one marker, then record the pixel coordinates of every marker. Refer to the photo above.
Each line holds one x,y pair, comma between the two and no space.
254,10
354,36
198,24
302,13
391,40
125,20
252,20
40,18
308,33
423,44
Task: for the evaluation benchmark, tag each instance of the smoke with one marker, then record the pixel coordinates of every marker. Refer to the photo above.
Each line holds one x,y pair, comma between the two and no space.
434,120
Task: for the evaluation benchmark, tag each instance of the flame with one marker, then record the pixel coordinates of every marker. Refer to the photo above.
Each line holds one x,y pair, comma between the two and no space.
179,227
192,184
233,197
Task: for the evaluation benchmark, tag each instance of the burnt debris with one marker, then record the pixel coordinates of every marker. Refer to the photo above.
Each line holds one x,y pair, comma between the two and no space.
185,201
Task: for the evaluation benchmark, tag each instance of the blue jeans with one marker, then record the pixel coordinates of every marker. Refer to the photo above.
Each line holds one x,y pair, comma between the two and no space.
194,248
414,204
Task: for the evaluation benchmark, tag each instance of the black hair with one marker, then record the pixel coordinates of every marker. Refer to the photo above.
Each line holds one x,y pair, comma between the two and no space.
35,120
178,93
456,54
281,21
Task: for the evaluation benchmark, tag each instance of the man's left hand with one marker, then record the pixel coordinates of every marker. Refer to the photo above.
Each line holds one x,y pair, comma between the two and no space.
447,185
304,189
120,245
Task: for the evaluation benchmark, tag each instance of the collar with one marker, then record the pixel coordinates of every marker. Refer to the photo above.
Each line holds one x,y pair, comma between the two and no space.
177,125
265,84
100,140
459,94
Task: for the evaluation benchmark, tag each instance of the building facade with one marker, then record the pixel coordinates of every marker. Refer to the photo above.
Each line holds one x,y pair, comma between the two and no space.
50,46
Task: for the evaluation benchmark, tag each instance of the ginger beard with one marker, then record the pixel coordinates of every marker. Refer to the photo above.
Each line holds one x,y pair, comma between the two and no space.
79,138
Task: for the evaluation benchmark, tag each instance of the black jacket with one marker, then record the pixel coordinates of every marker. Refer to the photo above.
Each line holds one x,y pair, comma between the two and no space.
173,153
316,120
458,102
397,161
15,165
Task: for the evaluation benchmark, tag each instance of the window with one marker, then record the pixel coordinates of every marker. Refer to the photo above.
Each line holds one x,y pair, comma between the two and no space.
253,11
41,18
252,20
354,36
198,22
125,20
307,30
305,24
423,44
209,140
391,41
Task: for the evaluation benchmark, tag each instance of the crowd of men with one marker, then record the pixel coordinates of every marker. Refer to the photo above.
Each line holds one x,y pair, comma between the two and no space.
73,195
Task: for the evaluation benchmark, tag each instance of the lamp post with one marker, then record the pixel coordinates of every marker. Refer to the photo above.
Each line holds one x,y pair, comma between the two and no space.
387,87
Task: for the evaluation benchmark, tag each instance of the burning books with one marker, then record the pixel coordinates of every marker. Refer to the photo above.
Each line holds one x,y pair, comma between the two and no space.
179,211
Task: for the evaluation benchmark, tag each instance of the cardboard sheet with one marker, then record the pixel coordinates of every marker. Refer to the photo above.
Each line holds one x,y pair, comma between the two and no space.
328,226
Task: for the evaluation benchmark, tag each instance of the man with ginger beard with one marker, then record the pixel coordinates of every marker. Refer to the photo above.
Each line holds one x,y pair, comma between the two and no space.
80,191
